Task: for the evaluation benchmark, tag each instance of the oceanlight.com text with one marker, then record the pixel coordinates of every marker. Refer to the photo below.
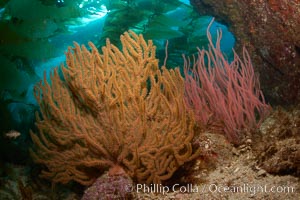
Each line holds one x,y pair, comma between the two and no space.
211,188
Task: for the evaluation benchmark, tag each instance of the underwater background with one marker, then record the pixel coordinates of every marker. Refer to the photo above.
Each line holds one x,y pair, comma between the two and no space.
34,39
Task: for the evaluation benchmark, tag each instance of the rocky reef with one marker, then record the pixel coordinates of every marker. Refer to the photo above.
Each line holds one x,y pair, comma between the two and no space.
270,30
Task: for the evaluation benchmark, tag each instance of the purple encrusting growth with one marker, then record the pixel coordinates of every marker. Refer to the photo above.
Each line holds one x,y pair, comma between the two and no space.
109,187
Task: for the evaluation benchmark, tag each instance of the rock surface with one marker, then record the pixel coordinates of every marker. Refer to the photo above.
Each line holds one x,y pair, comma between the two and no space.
270,30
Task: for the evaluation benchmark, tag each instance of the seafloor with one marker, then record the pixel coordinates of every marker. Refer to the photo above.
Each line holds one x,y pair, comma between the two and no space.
265,166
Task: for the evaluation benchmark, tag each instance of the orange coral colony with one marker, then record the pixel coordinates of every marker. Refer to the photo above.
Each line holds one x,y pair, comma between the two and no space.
114,108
